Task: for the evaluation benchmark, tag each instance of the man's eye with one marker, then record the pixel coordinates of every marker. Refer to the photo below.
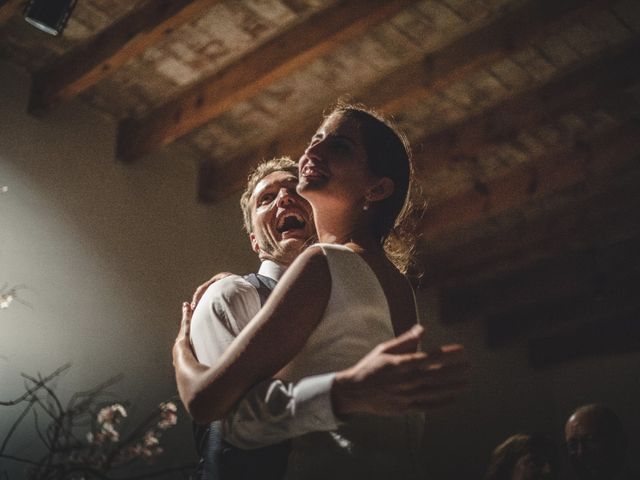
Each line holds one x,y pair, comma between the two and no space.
267,198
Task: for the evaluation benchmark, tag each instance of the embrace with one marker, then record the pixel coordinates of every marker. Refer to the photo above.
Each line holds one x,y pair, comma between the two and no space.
311,368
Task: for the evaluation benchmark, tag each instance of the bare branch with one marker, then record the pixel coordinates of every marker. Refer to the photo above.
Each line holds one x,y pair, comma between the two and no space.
15,426
35,388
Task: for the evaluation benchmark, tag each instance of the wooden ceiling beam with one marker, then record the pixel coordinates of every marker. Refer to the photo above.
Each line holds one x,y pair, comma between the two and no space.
8,9
473,52
110,49
578,90
525,296
598,212
277,58
551,173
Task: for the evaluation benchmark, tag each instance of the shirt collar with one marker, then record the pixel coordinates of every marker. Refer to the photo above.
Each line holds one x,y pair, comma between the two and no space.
271,269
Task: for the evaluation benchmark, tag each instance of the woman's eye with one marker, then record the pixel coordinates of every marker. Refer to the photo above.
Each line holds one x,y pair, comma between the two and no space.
339,144
313,143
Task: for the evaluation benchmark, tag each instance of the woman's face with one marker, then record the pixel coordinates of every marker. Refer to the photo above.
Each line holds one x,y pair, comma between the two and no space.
532,466
334,166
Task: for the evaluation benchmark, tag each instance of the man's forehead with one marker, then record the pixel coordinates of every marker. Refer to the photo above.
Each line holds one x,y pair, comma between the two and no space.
579,425
275,180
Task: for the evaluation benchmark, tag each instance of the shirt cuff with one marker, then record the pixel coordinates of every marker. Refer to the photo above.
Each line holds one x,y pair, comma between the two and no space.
312,398
273,411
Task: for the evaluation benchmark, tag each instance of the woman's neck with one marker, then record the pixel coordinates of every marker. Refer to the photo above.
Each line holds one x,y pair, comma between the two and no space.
344,227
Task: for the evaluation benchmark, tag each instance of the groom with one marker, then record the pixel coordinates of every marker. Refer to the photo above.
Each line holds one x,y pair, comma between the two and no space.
280,226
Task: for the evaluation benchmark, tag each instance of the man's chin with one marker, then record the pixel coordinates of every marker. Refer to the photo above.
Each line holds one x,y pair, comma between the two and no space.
293,241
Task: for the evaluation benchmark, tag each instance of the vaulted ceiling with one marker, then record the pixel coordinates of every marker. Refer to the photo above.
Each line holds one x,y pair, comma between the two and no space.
523,116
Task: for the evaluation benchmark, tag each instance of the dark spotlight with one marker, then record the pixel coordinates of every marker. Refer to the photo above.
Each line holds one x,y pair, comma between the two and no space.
50,16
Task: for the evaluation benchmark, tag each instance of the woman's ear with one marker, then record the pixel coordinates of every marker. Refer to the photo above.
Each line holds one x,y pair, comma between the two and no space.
381,190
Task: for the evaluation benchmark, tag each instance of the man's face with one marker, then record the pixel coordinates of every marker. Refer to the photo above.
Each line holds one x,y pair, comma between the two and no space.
281,219
592,450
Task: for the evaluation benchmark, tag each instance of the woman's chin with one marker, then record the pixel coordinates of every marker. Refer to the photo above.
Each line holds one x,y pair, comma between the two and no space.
311,184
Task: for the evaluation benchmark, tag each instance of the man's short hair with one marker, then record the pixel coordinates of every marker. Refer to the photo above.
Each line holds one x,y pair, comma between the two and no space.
267,167
608,423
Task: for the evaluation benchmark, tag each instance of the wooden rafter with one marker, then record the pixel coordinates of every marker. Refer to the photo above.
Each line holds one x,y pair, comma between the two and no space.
473,52
8,9
584,213
551,173
278,57
100,56
554,287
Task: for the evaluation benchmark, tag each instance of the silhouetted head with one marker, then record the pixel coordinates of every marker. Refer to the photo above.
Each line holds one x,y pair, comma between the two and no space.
596,442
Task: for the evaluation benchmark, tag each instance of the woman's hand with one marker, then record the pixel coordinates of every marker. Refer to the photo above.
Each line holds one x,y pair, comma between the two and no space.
189,372
394,378
203,288
182,345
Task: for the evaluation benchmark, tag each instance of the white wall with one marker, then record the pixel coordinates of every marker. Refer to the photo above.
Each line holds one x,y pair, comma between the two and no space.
107,252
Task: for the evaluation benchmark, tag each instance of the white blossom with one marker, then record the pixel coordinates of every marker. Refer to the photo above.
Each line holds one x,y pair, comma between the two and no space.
168,415
5,300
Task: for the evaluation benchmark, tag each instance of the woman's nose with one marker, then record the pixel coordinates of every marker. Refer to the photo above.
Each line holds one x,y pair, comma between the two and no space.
314,148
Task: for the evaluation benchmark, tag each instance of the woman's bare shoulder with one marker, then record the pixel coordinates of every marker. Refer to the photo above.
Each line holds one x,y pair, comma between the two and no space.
308,273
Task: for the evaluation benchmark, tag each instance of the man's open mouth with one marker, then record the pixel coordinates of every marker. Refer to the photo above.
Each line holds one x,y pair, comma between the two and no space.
290,221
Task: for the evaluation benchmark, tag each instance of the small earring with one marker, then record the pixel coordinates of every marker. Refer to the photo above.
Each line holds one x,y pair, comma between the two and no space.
365,207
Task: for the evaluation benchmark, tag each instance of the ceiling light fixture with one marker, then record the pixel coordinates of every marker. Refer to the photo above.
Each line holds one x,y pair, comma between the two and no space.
49,16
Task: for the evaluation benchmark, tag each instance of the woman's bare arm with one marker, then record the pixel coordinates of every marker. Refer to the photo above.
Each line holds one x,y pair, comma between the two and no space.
268,343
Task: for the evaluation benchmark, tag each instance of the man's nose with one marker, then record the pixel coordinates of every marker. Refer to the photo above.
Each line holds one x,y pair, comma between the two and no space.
578,449
285,197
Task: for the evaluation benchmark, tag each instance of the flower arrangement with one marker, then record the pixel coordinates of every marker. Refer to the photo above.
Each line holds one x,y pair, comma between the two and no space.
88,438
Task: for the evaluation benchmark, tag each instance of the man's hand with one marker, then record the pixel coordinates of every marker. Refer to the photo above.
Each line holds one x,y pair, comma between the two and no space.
394,378
203,288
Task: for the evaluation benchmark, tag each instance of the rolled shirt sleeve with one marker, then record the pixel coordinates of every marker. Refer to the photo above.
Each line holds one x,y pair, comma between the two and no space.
274,410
